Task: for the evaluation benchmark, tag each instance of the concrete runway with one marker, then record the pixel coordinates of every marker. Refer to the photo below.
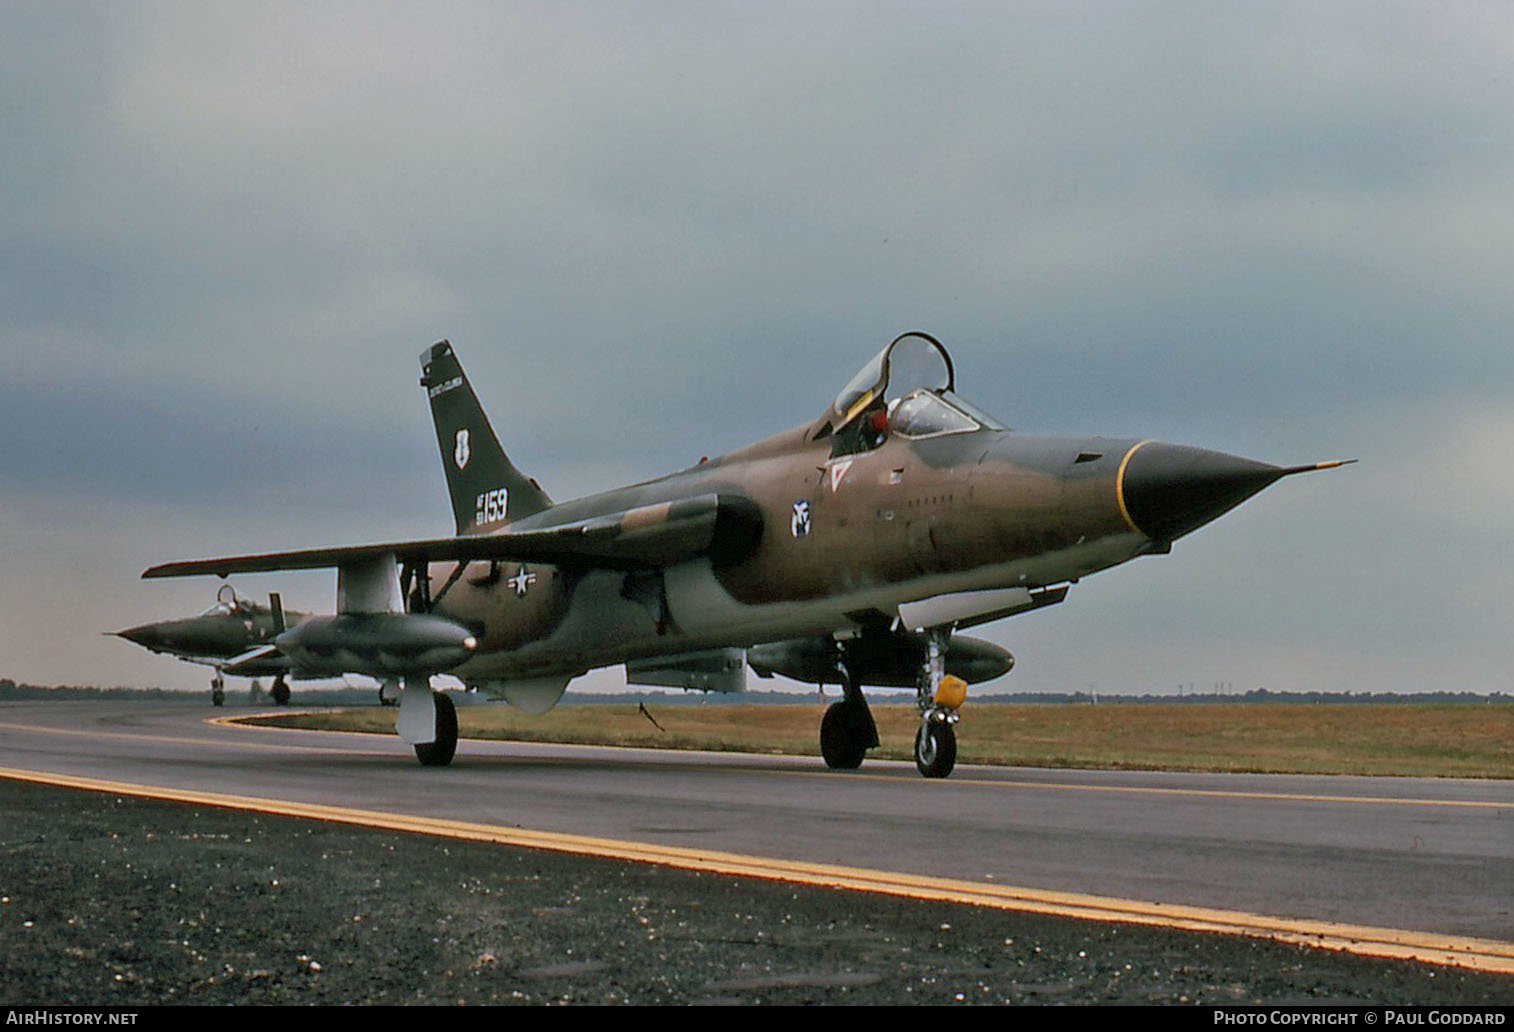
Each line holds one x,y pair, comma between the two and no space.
1424,856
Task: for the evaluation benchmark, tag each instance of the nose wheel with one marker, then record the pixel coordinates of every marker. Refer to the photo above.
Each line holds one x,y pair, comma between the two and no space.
935,748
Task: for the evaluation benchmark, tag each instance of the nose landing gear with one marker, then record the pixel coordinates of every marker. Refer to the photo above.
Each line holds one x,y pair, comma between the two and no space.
939,695
936,747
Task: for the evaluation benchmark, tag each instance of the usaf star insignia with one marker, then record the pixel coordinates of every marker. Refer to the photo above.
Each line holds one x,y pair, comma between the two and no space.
522,580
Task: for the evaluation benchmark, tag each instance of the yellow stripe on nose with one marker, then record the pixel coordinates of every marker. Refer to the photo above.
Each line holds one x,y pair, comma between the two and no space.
1119,487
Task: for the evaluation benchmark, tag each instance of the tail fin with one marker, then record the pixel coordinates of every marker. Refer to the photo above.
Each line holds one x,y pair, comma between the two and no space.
485,486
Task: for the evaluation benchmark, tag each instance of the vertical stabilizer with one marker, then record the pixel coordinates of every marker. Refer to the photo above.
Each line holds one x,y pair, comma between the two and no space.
486,488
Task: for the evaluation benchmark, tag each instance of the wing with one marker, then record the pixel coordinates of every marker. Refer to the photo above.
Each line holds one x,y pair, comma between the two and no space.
645,537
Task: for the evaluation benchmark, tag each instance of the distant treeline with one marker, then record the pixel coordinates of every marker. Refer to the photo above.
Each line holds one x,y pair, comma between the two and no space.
11,690
347,695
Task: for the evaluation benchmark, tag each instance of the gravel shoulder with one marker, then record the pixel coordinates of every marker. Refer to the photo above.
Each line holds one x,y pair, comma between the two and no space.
106,900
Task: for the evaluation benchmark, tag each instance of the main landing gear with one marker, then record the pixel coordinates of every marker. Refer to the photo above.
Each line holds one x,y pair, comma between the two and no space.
428,721
218,690
280,691
847,731
439,753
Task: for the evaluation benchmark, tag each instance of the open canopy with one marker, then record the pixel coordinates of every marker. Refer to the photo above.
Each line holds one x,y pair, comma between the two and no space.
228,604
909,387
911,361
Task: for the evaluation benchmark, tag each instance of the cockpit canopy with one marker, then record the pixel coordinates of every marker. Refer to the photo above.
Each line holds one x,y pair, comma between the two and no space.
228,604
912,360
908,388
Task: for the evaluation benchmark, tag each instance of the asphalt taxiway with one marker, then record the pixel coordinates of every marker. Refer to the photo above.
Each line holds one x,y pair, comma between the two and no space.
1384,866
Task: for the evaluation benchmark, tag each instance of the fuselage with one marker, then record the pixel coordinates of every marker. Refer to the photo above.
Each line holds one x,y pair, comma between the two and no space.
844,541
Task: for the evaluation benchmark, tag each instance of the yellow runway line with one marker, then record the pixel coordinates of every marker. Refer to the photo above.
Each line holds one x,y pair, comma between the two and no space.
1478,954
1219,793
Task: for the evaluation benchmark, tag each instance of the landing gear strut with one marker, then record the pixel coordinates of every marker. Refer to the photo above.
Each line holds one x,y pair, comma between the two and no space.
847,731
218,690
938,696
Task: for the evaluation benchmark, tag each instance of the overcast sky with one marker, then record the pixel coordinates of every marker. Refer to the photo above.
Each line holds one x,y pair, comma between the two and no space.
655,231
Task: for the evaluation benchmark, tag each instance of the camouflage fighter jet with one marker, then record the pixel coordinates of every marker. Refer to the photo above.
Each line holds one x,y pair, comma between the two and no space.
848,550
233,636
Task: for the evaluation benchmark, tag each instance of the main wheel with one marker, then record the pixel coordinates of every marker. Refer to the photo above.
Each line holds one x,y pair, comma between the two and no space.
439,753
280,692
842,748
935,749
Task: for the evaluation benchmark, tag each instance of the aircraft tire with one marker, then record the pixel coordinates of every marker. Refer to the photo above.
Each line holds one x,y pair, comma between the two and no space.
217,698
840,745
935,750
440,752
280,692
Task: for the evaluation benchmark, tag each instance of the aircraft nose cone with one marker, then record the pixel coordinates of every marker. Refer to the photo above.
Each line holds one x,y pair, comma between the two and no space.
149,636
1168,490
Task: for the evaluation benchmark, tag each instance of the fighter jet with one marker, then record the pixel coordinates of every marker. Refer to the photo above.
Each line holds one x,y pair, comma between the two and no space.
847,550
230,636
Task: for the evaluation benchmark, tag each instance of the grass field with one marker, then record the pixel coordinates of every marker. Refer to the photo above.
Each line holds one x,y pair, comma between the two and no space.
1409,739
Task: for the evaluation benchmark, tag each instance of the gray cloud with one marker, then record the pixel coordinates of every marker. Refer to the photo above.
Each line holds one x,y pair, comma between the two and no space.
1281,230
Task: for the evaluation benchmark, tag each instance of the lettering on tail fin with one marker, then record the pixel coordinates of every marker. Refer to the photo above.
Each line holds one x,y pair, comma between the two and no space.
485,487
491,507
